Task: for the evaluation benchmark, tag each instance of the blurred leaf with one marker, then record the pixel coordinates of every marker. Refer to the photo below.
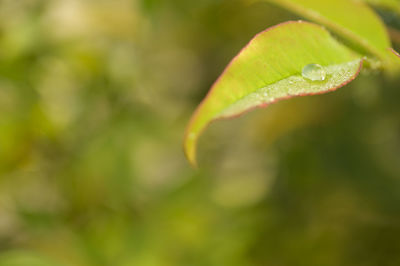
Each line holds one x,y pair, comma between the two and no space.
269,69
24,258
353,20
393,5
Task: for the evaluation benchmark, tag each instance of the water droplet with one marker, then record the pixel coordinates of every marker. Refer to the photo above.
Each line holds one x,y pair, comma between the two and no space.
314,72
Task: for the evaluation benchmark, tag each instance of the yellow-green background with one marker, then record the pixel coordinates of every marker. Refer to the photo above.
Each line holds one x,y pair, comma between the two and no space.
94,99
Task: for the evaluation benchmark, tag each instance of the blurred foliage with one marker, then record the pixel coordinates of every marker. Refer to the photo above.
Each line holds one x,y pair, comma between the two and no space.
94,97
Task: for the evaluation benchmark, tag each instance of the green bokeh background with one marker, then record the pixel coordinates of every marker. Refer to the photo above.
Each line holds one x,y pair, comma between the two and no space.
94,99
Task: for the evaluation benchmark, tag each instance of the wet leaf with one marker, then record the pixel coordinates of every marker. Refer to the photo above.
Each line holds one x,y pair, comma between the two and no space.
270,68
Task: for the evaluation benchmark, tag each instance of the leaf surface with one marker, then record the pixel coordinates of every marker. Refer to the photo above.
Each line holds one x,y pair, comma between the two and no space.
269,69
353,20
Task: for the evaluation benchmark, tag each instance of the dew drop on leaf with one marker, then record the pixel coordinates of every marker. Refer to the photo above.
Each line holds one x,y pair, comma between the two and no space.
314,72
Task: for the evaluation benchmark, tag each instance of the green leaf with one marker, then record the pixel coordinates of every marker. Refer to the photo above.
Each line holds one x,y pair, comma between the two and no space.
393,5
24,258
353,20
269,69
